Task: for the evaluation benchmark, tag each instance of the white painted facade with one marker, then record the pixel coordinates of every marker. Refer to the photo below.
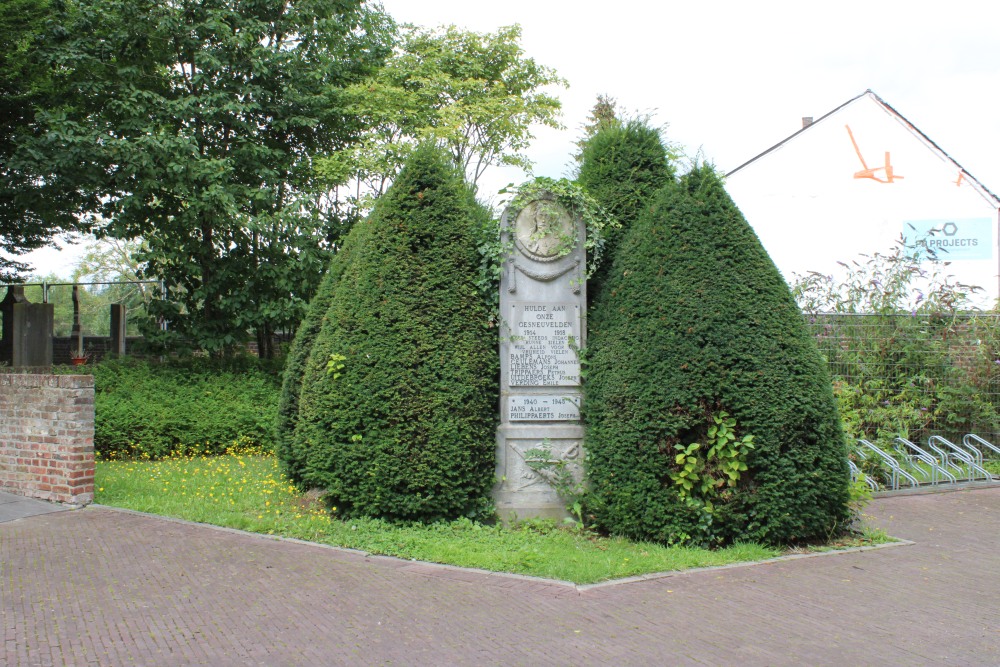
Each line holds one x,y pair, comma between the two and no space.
849,184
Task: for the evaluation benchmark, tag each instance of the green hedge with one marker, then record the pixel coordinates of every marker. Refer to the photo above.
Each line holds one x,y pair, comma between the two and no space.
292,457
696,321
145,408
405,428
622,167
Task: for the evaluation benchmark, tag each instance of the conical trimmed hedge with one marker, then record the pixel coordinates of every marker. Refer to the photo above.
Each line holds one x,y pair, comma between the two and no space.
404,425
292,458
696,321
622,167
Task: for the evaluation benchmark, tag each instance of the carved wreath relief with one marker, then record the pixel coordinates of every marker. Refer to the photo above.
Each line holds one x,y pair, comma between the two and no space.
524,475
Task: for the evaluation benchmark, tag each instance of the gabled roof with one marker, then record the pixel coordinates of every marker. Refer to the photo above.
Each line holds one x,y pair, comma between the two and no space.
979,187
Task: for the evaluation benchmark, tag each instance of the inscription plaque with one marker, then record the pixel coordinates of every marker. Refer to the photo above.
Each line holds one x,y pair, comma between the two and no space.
543,408
542,346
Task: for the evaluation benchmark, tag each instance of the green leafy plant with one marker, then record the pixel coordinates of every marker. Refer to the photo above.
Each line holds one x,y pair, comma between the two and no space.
906,360
706,468
861,494
563,475
335,365
494,250
579,204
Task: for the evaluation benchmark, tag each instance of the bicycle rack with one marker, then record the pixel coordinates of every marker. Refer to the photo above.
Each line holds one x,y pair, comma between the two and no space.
856,473
962,455
941,461
913,454
945,459
971,438
896,470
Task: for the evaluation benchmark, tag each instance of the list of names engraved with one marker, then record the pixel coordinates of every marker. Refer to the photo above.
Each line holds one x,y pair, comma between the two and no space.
527,408
542,344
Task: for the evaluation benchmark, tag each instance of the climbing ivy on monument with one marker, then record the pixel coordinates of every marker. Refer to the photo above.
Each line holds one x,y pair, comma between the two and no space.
699,329
399,398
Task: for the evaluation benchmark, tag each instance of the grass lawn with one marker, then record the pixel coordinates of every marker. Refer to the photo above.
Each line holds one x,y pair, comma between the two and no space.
247,492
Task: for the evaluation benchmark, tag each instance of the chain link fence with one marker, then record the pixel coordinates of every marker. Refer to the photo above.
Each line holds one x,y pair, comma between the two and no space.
914,375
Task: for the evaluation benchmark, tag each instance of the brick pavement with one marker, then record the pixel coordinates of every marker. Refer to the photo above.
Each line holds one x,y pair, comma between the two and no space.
103,587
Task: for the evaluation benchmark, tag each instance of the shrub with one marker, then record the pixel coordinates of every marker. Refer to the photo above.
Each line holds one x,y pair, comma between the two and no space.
293,458
150,409
622,167
905,359
399,399
695,322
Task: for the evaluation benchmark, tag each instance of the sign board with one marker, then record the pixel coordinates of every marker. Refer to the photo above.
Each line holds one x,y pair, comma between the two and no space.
951,240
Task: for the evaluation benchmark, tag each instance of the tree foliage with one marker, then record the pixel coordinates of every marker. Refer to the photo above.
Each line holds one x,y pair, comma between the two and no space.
695,322
38,201
398,402
604,114
204,120
475,94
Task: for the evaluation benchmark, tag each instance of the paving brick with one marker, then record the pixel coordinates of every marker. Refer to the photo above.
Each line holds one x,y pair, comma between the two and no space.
103,587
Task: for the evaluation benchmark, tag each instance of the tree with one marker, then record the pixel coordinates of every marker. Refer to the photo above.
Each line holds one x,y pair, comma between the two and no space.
208,118
476,94
109,268
37,202
698,326
399,399
605,114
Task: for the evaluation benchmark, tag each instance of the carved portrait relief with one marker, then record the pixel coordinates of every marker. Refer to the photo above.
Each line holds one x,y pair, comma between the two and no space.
544,230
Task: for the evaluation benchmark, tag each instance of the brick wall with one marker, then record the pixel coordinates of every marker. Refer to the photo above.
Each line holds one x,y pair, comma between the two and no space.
97,347
47,436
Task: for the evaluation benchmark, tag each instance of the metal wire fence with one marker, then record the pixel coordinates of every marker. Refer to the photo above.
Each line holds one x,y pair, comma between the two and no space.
94,299
914,375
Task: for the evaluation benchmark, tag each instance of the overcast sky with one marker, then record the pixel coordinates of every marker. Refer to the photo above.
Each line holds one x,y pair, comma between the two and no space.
731,78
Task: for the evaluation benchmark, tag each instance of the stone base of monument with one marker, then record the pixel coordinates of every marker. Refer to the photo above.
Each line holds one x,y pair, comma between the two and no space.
529,458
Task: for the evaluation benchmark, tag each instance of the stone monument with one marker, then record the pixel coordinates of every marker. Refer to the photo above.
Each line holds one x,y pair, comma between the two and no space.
543,296
27,330
119,318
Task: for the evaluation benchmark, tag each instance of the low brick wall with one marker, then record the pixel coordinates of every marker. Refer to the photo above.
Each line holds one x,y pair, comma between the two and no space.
96,347
47,436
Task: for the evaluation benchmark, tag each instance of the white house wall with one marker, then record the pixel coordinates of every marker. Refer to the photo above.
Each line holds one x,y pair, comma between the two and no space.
810,212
